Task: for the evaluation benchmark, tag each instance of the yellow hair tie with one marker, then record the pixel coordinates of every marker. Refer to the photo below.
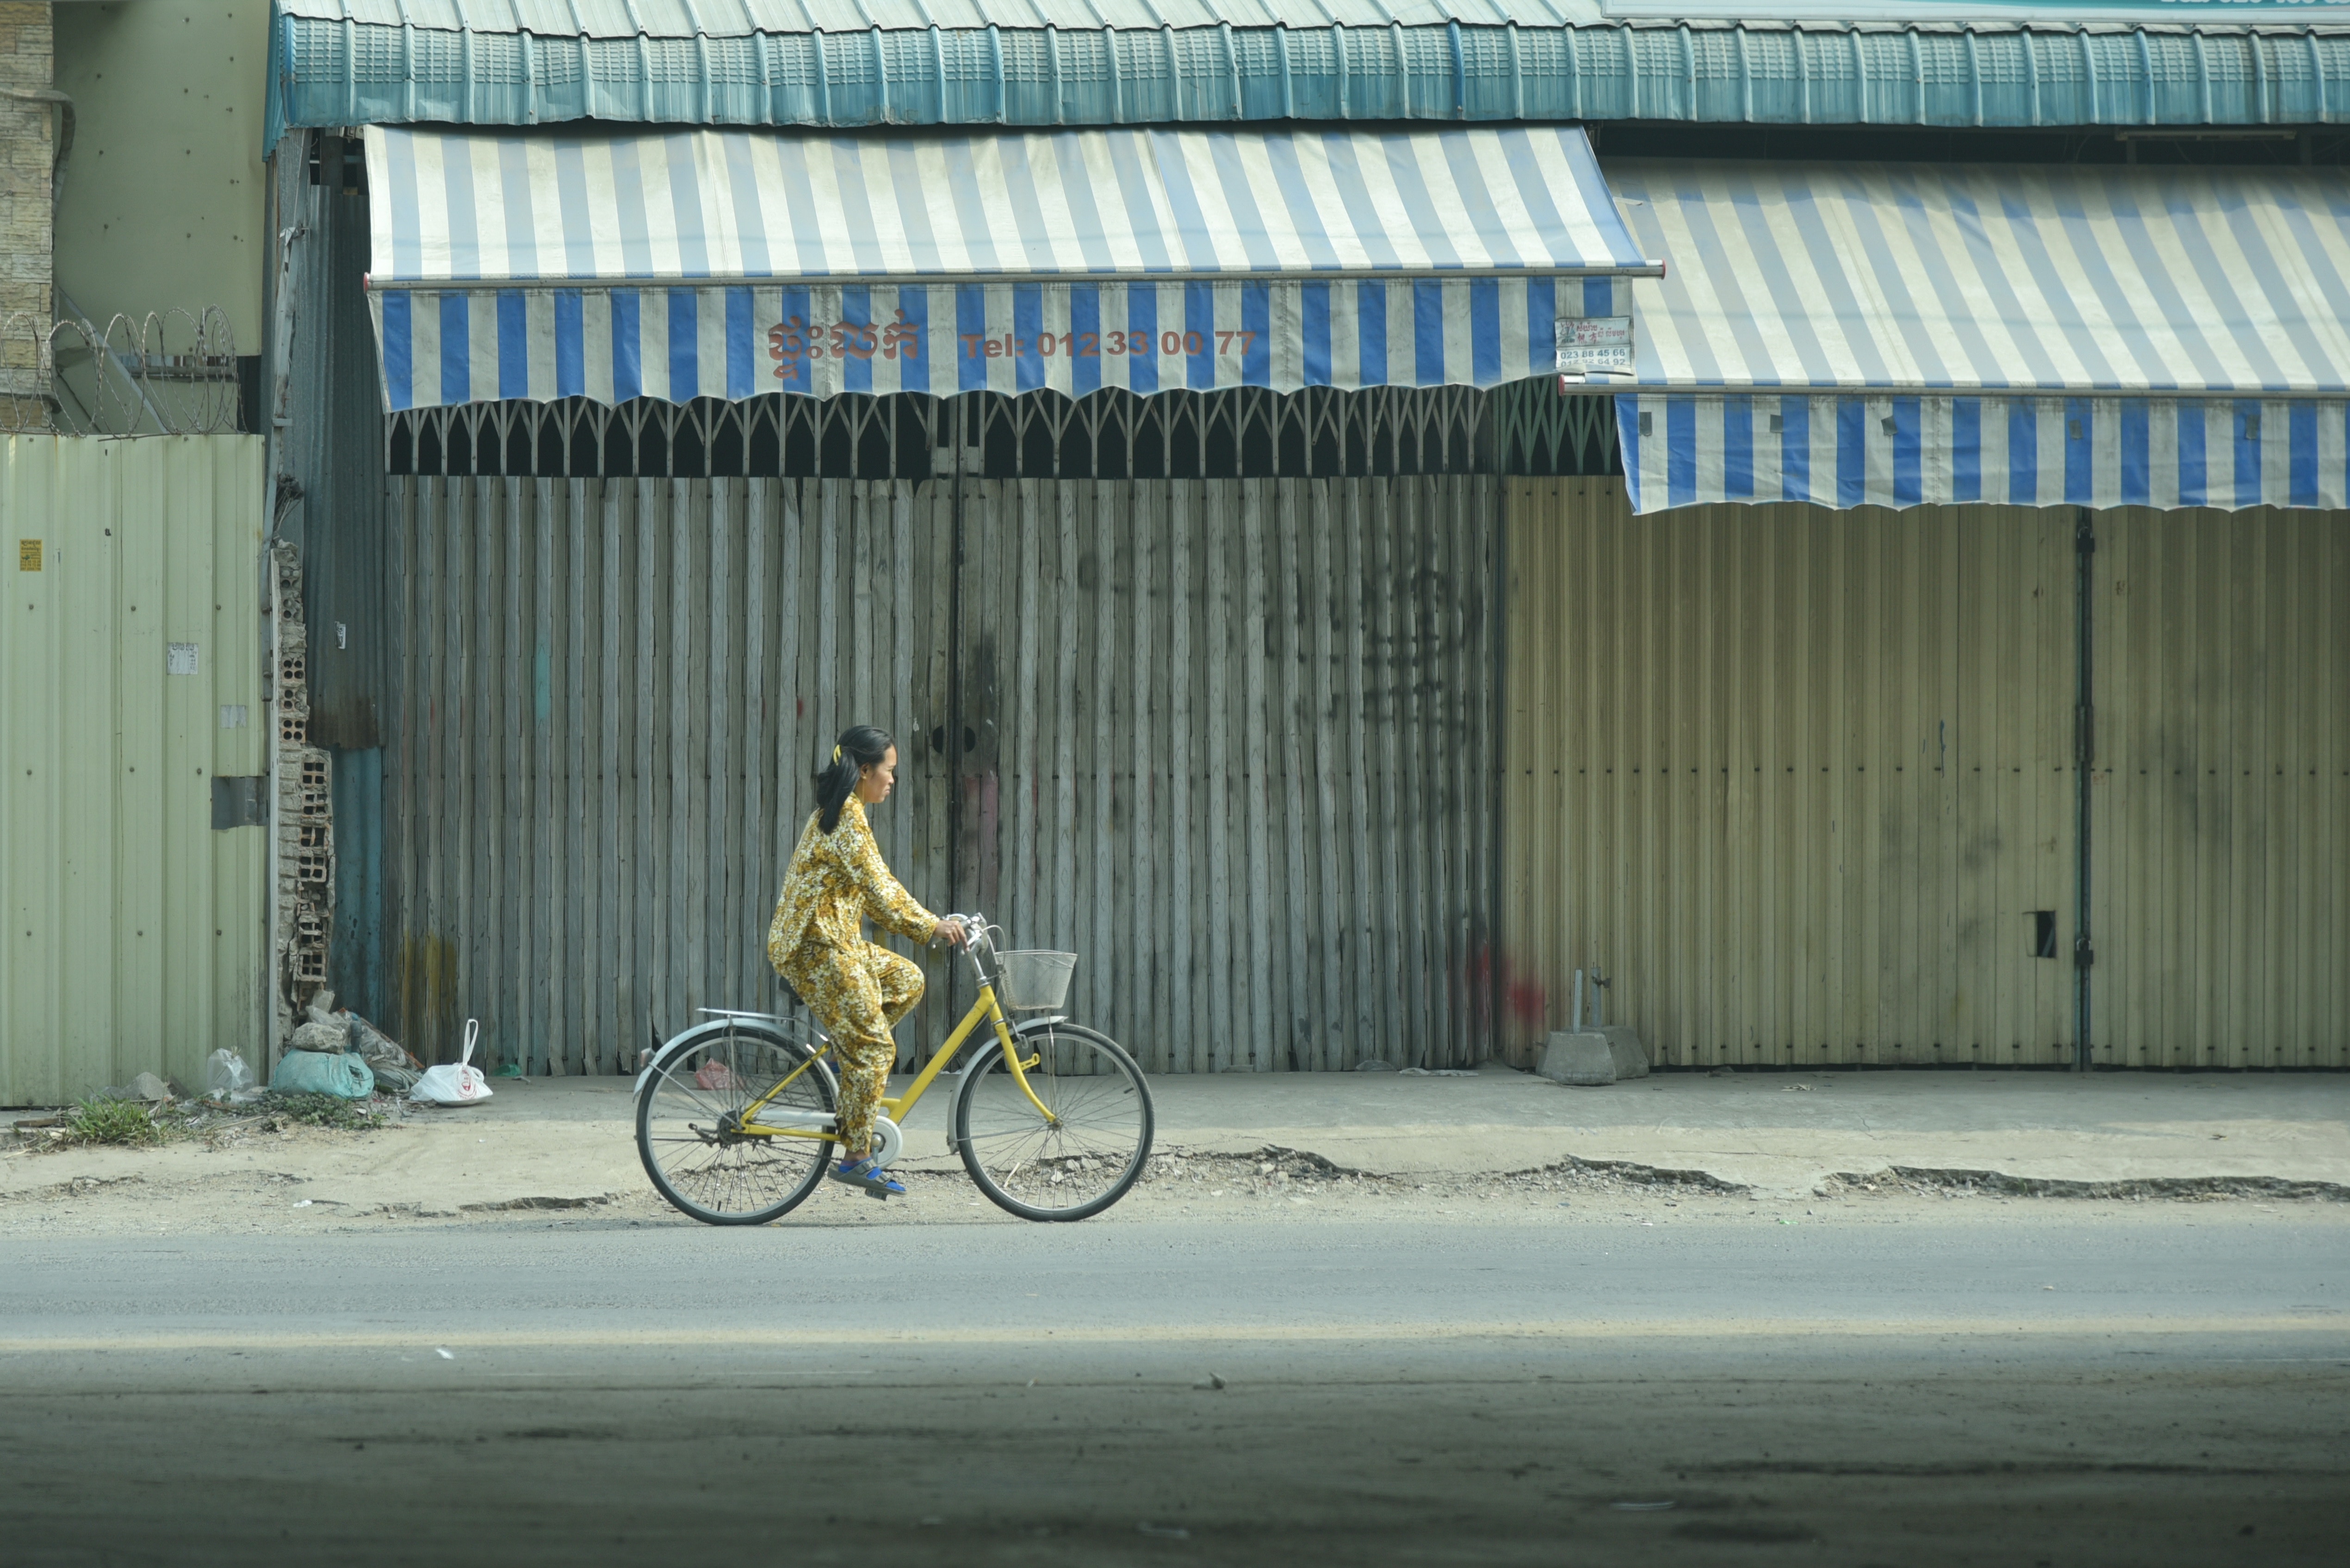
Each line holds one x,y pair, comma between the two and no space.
836,754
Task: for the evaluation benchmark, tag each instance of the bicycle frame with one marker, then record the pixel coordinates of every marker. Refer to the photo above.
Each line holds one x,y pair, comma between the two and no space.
985,1008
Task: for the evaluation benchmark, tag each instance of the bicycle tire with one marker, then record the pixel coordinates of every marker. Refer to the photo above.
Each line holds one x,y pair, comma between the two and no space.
1096,1089
680,1113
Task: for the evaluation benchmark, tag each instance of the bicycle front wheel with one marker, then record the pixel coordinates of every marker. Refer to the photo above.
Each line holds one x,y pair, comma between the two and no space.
1090,1151
691,1117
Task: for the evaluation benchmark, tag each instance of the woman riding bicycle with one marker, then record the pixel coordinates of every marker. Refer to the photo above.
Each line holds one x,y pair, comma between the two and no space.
857,989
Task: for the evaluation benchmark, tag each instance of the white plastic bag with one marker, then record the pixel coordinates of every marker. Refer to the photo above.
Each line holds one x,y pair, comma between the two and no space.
227,1077
458,1083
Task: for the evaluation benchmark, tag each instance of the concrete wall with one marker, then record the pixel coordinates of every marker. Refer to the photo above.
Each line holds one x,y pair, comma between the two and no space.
162,206
27,150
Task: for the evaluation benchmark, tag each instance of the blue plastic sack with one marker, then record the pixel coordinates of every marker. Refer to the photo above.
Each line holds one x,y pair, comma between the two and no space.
323,1073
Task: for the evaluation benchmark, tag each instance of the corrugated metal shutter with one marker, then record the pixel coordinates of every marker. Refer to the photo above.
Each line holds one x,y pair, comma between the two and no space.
2220,821
1228,740
1245,728
333,447
1794,778
613,695
132,657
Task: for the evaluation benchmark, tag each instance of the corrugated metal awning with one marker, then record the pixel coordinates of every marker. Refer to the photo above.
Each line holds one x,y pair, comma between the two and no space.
736,18
1049,63
708,264
1904,335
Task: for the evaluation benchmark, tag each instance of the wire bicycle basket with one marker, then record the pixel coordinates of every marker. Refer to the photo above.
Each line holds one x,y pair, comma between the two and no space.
1034,981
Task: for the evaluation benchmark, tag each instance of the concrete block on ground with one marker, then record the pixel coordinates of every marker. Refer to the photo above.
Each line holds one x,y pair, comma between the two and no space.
1580,1058
1624,1045
1591,1057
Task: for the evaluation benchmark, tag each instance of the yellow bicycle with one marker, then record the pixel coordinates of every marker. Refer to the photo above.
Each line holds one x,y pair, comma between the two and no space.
1052,1120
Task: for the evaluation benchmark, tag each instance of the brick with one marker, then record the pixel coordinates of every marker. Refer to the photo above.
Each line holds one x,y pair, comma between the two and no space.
28,159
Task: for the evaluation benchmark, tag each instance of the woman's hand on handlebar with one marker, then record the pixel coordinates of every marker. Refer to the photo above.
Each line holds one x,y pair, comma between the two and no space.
951,931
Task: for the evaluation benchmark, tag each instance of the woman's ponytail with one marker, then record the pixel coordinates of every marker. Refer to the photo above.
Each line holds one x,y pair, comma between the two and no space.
861,746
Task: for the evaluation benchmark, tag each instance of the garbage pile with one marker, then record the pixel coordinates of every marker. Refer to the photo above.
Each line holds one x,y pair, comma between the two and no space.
341,1053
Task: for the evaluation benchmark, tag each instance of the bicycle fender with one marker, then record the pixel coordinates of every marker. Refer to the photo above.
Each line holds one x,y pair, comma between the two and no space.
700,1031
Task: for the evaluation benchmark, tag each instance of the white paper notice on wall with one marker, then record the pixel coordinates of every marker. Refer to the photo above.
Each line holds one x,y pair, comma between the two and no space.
1588,343
180,659
232,715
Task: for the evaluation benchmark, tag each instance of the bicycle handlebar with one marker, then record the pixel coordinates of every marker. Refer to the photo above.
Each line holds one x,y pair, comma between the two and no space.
976,933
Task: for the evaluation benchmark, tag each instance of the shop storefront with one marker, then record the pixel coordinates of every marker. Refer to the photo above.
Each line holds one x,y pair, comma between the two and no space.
1140,481
1957,674
1924,656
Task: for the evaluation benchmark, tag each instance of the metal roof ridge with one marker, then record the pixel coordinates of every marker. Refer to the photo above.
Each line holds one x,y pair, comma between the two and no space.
774,18
2007,74
691,19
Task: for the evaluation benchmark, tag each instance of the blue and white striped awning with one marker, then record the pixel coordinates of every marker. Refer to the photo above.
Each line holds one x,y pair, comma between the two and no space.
1901,335
715,264
1844,452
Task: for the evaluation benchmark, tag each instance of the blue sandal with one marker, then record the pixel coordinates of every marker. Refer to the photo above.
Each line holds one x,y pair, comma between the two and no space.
864,1174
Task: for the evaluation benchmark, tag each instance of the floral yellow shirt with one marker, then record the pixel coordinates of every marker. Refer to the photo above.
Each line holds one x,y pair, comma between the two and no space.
835,880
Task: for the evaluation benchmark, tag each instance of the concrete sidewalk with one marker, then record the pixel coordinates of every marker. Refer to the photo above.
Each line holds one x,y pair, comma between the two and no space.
566,1139
1788,1132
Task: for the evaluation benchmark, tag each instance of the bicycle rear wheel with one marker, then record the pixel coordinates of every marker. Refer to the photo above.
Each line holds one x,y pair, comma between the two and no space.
689,1115
1087,1156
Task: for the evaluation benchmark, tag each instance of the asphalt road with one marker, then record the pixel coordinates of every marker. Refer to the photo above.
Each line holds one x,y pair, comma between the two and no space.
2057,1387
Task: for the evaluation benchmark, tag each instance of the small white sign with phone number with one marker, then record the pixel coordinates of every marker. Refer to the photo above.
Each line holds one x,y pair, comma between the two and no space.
1595,343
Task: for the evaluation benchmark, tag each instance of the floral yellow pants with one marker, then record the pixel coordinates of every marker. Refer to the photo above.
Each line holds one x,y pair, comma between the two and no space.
856,994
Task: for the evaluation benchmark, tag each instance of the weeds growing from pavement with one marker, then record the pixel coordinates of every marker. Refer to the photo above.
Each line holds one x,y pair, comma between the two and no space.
127,1122
103,1120
319,1110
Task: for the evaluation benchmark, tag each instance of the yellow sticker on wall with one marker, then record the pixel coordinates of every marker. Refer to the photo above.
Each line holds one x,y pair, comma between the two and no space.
28,554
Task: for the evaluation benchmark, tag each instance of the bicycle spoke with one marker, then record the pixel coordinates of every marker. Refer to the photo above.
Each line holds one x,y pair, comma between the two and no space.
1080,1159
684,1129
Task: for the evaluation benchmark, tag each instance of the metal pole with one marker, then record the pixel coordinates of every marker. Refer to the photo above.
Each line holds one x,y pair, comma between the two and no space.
2084,754
958,897
1495,1043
